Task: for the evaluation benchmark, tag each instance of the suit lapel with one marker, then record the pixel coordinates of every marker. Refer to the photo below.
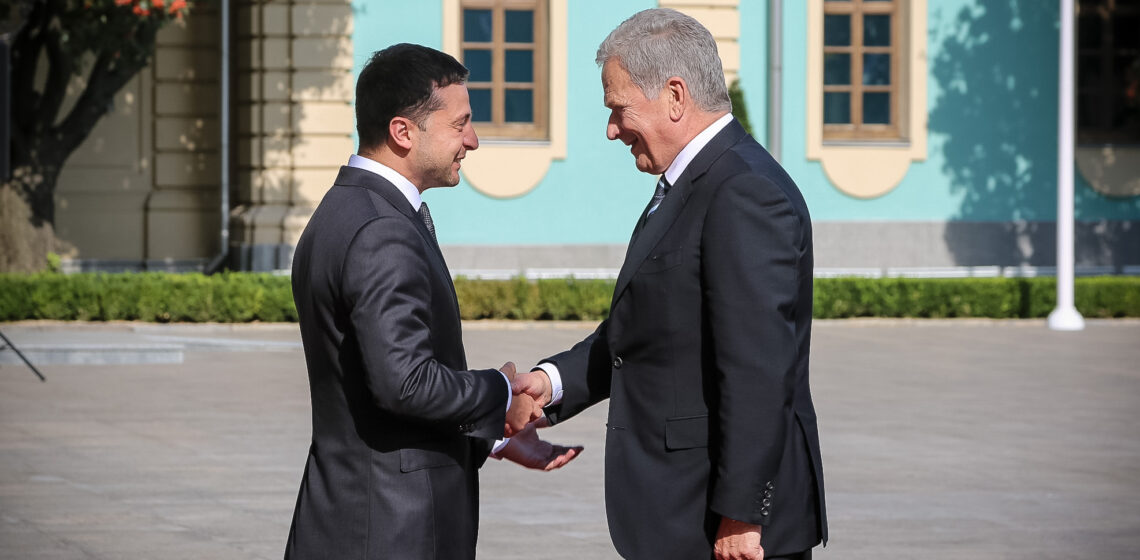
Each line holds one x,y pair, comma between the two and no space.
351,176
649,230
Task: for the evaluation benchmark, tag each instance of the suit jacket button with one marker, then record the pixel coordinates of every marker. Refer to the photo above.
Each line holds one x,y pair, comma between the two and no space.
769,486
764,512
617,362
766,502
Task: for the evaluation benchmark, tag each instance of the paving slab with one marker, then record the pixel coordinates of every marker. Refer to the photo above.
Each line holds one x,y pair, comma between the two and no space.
941,439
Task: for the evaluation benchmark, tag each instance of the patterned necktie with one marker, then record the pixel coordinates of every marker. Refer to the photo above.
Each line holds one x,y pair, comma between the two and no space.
658,195
425,215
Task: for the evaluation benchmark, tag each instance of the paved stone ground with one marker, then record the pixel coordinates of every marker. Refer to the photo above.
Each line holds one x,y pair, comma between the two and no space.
941,440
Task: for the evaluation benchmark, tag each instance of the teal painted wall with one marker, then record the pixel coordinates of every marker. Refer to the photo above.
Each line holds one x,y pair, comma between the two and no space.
379,24
991,150
992,103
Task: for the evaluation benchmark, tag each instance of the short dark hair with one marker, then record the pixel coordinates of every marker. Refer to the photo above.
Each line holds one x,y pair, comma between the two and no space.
400,81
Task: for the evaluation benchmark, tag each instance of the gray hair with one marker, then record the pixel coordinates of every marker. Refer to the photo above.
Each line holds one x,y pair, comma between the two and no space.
658,44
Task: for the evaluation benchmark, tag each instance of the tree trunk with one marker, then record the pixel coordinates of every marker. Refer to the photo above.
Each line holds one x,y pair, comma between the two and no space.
34,177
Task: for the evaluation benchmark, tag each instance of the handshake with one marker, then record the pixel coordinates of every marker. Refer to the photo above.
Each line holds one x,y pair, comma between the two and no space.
531,392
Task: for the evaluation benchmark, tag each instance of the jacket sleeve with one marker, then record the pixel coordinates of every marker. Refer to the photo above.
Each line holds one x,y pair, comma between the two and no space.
386,284
752,245
585,371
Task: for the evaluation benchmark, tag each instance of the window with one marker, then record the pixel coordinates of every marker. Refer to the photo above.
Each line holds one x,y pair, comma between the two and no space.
1108,72
504,45
862,67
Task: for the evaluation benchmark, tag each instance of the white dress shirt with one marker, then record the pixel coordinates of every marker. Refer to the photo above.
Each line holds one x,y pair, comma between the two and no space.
406,187
672,173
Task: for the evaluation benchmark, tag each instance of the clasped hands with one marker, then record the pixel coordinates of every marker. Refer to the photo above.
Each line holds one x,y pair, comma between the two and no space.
531,392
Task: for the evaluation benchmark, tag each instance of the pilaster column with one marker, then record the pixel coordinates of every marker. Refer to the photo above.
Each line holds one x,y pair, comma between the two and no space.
294,121
181,216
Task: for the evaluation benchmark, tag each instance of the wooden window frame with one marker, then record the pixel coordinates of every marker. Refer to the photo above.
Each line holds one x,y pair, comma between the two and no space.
498,128
856,130
1104,100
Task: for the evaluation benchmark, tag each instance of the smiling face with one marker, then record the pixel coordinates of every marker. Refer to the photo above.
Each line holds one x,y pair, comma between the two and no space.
641,123
443,142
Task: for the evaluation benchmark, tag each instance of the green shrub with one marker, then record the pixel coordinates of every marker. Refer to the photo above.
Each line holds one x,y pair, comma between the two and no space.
238,297
1108,296
16,297
1000,298
485,299
739,108
119,299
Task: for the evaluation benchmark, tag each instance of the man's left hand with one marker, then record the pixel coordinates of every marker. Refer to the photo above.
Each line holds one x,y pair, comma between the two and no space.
526,449
737,540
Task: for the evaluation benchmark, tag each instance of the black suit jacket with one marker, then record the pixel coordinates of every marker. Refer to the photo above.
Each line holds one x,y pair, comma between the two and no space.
705,361
399,428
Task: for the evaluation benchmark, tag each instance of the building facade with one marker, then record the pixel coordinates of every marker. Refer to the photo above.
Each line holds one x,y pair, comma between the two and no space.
923,134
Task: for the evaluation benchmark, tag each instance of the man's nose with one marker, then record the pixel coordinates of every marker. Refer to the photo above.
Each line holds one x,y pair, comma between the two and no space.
612,130
470,139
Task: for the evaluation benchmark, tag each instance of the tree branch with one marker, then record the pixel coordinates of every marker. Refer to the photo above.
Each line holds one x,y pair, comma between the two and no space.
25,56
60,69
108,76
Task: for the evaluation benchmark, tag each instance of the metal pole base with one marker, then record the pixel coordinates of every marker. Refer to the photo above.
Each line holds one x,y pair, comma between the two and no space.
1066,319
7,345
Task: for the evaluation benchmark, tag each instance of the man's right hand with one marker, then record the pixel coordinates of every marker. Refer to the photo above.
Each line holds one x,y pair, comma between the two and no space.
535,384
523,409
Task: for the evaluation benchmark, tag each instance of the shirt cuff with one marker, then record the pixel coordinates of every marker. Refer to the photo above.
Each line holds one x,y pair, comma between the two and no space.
510,392
499,445
555,381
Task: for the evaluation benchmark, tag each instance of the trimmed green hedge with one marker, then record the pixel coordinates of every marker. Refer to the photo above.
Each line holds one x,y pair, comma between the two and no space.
156,297
999,298
242,297
519,298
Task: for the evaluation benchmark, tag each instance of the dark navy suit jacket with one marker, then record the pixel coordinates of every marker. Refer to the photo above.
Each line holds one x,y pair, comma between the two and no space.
704,358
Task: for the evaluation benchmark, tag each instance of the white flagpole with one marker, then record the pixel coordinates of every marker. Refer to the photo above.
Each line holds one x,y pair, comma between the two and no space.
1065,316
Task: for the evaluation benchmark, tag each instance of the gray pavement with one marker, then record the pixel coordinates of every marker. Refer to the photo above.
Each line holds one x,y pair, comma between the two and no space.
941,439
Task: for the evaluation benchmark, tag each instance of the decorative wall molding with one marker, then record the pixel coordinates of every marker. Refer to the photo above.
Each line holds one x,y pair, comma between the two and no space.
869,169
1111,170
507,169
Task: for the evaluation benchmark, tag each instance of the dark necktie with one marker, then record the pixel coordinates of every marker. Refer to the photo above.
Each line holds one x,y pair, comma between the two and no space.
658,195
425,215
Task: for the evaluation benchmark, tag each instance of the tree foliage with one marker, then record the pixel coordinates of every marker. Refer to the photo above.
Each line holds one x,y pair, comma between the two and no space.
739,109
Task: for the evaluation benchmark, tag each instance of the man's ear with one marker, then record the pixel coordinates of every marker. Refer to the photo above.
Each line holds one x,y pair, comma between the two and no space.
678,92
400,132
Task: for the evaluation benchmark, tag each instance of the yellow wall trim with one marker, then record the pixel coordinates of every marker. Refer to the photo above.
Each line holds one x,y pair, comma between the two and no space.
722,19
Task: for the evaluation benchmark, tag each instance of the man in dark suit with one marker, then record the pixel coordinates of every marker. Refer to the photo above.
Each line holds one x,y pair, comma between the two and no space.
712,446
400,426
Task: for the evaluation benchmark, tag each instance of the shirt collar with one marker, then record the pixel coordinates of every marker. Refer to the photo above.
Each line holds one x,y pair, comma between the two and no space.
694,147
406,187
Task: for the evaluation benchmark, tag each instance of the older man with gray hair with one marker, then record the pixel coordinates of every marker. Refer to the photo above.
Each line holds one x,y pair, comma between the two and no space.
712,446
